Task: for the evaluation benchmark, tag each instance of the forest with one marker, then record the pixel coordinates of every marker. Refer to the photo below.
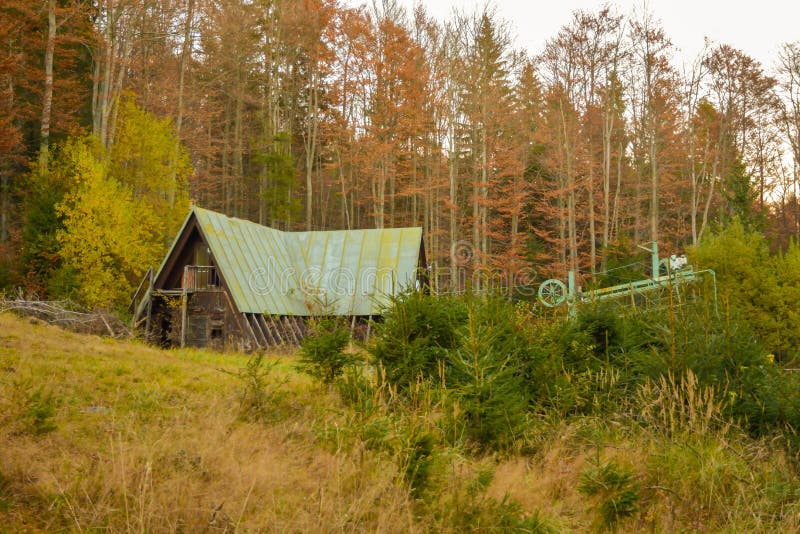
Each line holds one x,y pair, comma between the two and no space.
468,408
321,114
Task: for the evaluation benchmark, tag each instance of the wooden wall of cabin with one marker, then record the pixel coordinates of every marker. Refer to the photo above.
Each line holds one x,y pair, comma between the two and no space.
212,322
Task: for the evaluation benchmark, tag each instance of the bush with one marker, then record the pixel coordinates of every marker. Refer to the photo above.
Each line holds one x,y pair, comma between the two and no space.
488,398
416,332
748,283
417,459
40,410
323,353
616,489
260,396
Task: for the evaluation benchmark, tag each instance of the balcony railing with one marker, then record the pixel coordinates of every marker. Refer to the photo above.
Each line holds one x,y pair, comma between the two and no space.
200,278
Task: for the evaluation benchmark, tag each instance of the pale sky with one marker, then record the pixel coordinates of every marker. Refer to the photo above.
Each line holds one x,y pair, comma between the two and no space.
758,27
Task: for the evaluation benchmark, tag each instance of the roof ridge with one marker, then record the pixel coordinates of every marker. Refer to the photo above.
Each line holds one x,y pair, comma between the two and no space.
248,221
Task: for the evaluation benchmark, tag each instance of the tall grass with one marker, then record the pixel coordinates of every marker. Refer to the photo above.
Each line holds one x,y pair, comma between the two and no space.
499,420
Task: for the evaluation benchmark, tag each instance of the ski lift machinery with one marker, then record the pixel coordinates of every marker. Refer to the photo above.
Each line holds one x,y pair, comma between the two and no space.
553,292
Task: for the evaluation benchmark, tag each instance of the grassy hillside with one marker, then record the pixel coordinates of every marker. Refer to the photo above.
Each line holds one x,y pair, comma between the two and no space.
96,433
148,439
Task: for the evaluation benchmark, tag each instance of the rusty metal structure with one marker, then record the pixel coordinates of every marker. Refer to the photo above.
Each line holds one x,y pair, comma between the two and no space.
228,282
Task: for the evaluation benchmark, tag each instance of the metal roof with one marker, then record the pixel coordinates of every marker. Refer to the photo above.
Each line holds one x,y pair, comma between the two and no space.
344,272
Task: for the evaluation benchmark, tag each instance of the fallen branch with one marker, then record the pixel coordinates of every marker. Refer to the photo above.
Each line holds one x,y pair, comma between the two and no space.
65,314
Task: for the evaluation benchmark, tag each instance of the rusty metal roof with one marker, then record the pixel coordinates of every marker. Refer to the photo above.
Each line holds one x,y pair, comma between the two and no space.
344,272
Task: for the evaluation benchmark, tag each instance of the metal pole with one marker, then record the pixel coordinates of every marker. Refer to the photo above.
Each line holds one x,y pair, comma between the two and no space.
654,259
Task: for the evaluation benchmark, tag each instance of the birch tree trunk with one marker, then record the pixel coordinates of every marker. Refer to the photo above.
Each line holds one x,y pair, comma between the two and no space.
47,98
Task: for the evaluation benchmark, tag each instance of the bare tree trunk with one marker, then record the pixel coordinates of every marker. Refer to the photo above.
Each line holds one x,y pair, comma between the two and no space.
712,179
570,186
452,166
111,62
227,186
117,93
476,193
617,192
608,128
484,186
47,99
653,185
185,54
345,209
185,51
695,198
102,110
238,141
311,135
592,229
5,204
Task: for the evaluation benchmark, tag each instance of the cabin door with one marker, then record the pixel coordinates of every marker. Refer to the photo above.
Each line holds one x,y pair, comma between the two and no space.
202,254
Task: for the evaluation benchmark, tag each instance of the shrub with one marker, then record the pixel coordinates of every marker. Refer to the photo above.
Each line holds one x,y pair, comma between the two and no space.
40,410
417,459
617,490
260,395
414,336
323,353
597,327
747,281
488,398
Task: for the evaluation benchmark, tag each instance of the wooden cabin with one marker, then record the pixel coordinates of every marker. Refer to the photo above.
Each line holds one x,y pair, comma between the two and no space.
232,283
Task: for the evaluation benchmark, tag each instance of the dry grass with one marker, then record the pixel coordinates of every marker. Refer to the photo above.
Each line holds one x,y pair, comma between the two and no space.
151,440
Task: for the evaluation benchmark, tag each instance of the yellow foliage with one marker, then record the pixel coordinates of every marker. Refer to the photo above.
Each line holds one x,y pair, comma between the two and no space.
148,159
121,213
108,236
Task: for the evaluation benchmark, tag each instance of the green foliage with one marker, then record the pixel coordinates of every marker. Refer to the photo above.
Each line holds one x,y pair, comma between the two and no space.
747,281
467,508
40,248
621,266
40,409
323,353
281,174
261,394
487,395
357,391
418,459
617,490
490,365
40,258
102,241
787,272
740,192
416,332
593,337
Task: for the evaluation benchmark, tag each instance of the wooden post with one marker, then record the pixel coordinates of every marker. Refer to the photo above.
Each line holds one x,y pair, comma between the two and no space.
184,316
369,327
252,331
151,296
184,307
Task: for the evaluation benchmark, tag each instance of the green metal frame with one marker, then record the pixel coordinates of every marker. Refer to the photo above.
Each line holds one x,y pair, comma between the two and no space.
639,287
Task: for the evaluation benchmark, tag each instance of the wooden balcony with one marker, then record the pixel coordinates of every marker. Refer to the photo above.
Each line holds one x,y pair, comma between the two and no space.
200,278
